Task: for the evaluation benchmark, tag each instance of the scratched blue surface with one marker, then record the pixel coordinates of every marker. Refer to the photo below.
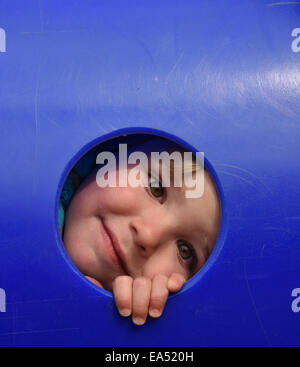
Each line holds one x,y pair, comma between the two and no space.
223,77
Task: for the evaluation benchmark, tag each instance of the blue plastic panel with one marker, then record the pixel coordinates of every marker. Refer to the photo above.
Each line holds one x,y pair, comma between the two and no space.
223,76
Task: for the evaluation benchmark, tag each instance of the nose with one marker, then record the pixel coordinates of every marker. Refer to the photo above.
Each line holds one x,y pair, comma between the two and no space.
149,233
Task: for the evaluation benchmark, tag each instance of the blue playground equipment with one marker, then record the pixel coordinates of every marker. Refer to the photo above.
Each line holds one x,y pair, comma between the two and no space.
224,78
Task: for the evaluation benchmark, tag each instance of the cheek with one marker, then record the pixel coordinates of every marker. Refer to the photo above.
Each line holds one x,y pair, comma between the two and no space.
119,200
165,264
92,200
82,256
83,202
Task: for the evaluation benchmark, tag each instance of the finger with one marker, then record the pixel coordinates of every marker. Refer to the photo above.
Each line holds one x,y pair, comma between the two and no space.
175,282
159,295
93,280
141,291
122,290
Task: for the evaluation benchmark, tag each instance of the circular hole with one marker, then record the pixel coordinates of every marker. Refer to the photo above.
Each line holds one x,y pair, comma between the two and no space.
139,205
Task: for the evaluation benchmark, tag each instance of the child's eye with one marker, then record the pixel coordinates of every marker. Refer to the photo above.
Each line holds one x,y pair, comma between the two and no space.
184,250
186,253
156,188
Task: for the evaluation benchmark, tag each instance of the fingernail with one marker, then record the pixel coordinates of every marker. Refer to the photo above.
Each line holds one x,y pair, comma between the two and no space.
154,313
125,312
138,320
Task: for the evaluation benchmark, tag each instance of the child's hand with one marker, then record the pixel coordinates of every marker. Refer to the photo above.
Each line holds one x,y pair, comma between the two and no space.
140,296
93,280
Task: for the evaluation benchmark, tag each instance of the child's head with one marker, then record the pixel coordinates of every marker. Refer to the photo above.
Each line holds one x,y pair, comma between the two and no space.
140,231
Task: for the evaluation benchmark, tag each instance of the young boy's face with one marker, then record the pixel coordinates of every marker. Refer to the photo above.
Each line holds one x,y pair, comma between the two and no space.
140,231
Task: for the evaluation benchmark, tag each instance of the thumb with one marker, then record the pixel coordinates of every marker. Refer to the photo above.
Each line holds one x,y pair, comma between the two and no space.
93,280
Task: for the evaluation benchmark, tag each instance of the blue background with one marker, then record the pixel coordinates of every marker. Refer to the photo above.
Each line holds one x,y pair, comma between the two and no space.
219,75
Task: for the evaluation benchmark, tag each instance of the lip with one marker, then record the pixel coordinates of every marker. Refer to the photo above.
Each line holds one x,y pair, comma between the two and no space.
113,248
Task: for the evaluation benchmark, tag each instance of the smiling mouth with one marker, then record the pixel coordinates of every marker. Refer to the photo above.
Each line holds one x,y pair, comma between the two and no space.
113,248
